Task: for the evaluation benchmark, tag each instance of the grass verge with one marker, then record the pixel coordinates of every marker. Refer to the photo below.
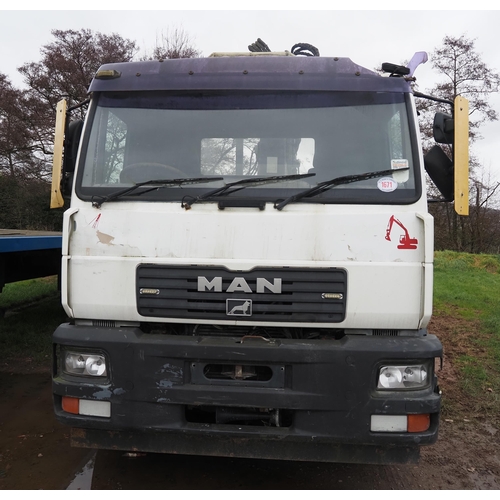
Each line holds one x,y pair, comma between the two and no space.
26,292
467,296
26,332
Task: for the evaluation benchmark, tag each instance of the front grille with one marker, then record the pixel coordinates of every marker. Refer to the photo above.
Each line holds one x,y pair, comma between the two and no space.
172,292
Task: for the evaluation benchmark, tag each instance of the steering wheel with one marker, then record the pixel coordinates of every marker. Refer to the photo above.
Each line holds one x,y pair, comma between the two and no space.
141,172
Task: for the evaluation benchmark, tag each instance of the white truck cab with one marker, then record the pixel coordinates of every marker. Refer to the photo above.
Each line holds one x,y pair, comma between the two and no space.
248,262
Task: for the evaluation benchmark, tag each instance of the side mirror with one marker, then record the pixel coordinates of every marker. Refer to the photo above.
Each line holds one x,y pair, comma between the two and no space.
71,145
443,128
440,170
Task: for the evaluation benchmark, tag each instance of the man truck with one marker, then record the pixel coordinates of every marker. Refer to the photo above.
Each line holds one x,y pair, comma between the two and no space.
247,259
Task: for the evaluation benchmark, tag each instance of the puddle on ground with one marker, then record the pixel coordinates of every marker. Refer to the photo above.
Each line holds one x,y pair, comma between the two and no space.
83,478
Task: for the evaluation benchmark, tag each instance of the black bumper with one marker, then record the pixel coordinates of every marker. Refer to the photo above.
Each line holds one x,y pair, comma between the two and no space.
326,389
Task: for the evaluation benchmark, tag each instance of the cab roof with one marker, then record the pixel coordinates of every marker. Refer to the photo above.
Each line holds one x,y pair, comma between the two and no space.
245,72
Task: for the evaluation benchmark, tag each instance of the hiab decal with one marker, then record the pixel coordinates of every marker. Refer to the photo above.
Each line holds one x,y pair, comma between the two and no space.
405,242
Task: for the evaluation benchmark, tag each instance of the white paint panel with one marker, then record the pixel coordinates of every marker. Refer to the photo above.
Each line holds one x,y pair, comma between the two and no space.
299,232
385,287
379,295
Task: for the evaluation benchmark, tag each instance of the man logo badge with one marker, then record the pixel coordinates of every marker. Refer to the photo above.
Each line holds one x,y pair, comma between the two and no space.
238,307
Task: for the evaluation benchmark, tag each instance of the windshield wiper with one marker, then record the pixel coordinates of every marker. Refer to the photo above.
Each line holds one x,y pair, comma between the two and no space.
326,185
241,184
97,201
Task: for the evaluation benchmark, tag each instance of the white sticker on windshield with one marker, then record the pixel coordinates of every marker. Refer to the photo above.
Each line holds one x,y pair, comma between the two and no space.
387,184
399,164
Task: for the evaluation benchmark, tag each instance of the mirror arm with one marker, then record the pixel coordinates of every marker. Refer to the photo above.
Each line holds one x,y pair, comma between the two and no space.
79,105
431,98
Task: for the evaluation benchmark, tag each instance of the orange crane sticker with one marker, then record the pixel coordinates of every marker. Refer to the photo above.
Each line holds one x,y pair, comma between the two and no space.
405,242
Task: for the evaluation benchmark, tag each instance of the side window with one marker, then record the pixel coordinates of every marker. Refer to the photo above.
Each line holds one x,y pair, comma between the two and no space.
398,144
106,151
395,136
115,149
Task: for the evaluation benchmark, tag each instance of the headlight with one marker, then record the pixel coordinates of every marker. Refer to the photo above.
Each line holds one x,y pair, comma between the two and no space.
84,363
403,376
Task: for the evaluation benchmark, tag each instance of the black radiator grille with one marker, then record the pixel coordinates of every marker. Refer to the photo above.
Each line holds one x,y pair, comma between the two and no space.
172,291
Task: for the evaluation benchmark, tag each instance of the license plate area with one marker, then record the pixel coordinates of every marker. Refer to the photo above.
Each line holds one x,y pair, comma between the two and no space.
246,416
210,373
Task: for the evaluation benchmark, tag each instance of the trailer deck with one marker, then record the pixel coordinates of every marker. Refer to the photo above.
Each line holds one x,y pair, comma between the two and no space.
28,254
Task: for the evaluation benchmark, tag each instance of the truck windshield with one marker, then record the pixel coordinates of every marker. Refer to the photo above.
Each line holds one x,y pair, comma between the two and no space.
142,136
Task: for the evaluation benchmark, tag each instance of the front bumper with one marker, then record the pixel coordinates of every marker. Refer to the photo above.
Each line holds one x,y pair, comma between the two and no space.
160,385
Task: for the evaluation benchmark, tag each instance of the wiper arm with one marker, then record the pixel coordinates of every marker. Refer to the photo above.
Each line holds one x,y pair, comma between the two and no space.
242,184
97,201
326,185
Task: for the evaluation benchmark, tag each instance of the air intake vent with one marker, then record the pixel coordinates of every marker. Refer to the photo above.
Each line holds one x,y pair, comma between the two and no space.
386,333
262,294
103,323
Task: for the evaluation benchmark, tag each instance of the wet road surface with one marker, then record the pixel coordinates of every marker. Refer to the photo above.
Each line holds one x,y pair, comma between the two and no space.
35,454
114,470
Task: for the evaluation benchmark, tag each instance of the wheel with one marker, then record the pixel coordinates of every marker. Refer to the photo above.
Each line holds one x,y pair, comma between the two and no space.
141,172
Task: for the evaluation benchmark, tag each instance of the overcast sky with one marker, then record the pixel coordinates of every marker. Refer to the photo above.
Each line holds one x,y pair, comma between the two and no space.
368,37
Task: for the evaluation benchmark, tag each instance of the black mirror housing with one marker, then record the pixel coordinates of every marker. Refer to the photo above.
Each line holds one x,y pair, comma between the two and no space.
443,128
440,170
71,143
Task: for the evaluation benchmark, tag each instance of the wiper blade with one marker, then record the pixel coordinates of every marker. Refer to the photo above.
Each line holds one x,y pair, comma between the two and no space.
326,185
97,201
242,184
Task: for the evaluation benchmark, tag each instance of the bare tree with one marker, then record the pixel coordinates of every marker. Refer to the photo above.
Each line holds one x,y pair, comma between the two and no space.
27,116
16,140
175,43
65,70
484,219
466,74
69,63
463,73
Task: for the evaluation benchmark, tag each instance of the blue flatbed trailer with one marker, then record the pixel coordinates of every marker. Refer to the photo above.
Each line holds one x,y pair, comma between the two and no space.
28,254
